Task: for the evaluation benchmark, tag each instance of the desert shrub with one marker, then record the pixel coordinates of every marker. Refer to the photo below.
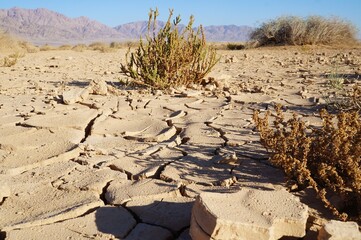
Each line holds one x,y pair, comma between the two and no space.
28,47
47,47
235,46
11,60
170,57
327,159
80,47
65,47
10,44
8,62
101,47
120,45
313,30
116,45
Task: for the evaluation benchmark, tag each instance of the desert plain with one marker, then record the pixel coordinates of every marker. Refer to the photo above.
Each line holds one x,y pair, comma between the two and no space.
85,156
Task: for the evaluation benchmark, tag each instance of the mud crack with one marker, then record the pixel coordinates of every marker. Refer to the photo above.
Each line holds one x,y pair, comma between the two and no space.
130,101
104,190
88,128
222,134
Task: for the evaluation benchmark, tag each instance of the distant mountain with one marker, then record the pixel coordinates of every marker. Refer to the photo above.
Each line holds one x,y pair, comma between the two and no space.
45,26
220,33
41,26
230,33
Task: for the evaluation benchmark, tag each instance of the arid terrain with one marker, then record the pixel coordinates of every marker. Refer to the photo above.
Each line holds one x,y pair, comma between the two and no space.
83,156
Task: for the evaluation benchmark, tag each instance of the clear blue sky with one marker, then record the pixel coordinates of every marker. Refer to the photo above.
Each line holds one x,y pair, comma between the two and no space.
206,12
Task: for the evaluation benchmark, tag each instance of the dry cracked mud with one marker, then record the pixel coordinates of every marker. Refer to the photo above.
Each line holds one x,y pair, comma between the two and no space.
84,157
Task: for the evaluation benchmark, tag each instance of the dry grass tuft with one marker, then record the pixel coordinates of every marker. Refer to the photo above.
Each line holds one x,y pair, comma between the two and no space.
298,31
8,62
236,46
9,45
13,48
65,47
121,45
80,48
101,47
327,159
47,47
170,57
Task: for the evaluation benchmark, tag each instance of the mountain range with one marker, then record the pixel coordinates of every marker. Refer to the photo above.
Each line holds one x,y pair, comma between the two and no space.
42,26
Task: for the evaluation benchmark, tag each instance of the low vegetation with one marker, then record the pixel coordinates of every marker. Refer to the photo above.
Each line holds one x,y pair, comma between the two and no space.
327,159
101,47
313,30
170,57
342,99
13,49
12,45
11,59
236,46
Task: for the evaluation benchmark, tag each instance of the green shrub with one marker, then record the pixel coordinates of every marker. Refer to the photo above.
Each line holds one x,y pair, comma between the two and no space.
328,158
235,46
342,98
298,31
170,57
120,45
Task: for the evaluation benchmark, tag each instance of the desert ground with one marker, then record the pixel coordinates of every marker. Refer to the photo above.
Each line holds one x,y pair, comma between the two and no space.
83,156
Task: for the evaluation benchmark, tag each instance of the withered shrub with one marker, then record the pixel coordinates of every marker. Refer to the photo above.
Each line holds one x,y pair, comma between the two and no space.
171,56
327,158
292,30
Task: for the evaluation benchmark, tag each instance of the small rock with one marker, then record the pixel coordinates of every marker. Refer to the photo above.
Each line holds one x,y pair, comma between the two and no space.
75,95
337,230
98,87
157,93
210,87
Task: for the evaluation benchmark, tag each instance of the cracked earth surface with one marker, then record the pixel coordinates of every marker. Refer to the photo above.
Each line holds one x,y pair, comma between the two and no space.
116,163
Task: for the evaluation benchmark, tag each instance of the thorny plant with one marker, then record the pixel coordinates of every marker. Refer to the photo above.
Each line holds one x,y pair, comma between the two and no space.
170,57
327,159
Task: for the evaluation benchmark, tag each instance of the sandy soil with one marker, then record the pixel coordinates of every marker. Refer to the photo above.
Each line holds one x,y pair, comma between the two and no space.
66,169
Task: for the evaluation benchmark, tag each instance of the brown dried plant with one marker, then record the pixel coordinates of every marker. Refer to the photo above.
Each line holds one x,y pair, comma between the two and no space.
171,56
292,30
327,159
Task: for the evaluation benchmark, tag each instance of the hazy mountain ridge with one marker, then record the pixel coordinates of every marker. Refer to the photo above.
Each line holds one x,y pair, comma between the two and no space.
42,26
